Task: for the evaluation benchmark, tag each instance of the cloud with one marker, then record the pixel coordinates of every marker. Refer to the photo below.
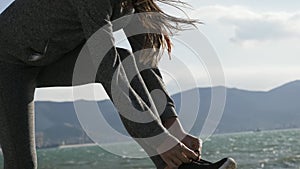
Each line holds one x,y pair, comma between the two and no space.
249,25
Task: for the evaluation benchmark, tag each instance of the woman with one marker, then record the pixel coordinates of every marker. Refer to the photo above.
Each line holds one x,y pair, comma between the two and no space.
39,45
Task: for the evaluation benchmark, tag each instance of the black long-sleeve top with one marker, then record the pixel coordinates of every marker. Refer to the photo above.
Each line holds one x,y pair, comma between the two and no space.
53,28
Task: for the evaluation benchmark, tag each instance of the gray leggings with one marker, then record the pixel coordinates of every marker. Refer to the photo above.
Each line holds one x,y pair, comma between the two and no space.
17,86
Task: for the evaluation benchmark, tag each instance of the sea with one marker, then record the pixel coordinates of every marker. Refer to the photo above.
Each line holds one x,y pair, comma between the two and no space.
252,150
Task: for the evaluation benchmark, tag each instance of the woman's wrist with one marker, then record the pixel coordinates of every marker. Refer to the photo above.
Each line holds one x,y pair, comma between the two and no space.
174,127
167,144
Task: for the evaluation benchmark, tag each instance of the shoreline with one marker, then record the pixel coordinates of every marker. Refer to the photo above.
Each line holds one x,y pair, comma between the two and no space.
126,142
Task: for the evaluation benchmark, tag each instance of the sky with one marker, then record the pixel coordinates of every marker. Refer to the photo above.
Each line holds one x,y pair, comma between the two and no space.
257,44
257,41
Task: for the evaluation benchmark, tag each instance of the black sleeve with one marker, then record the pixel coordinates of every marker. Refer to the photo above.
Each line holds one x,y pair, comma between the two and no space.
128,92
152,78
93,15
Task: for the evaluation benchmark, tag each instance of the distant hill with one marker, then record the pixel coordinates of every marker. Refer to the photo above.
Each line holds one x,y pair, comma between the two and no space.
279,108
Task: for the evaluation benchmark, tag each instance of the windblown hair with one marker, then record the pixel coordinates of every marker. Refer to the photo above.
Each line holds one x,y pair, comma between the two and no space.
163,23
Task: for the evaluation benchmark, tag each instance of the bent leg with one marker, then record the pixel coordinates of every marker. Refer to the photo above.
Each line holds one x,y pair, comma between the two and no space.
17,84
138,93
60,73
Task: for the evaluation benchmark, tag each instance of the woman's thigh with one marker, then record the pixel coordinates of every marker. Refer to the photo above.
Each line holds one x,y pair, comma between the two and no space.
59,73
17,85
84,69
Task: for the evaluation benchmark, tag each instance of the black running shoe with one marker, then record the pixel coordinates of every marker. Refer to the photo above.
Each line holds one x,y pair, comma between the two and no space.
225,163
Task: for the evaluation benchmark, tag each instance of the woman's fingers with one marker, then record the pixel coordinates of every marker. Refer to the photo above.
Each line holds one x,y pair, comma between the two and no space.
175,156
171,163
198,152
192,142
182,157
189,153
178,155
177,161
196,144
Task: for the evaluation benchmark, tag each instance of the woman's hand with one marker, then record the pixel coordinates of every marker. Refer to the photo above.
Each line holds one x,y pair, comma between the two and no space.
175,128
193,143
177,154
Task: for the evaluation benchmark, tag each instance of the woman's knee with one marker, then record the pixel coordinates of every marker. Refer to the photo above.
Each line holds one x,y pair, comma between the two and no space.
110,63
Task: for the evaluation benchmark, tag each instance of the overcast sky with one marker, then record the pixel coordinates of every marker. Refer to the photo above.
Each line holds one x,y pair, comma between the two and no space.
257,43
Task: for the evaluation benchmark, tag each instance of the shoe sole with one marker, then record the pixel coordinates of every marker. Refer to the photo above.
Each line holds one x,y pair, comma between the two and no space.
229,164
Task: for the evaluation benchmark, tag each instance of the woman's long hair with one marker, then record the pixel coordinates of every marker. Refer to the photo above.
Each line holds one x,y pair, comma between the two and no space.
161,22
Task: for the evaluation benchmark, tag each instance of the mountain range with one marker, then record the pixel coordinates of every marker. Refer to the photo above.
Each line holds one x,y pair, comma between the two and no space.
279,108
